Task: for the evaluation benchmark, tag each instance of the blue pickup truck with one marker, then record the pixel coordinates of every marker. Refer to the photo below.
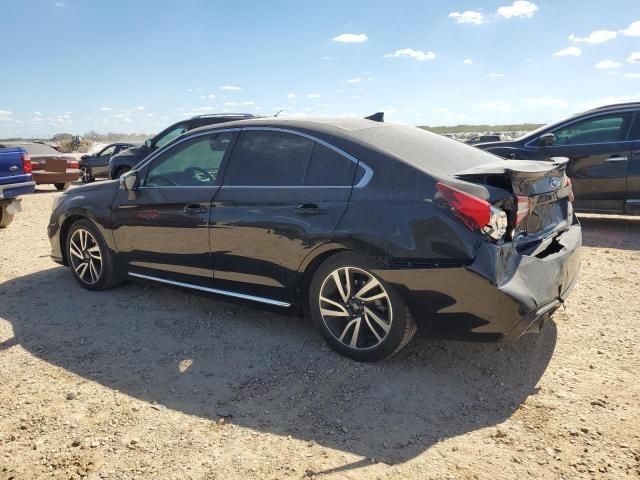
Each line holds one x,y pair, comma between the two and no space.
15,180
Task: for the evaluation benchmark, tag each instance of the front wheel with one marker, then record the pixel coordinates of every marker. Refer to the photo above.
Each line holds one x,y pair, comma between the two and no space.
5,217
359,315
90,259
61,186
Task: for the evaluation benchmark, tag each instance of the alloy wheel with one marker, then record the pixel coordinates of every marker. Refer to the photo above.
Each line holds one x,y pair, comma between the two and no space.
86,258
356,308
85,176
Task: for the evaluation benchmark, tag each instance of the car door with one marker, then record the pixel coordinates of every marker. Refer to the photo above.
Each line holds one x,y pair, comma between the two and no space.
161,229
599,153
633,178
283,195
101,161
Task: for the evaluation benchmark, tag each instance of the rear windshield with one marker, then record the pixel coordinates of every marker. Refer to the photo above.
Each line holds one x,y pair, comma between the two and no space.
426,151
38,149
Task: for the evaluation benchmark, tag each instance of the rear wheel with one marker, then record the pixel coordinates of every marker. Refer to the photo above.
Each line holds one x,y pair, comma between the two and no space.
120,171
91,261
85,175
359,315
5,217
61,186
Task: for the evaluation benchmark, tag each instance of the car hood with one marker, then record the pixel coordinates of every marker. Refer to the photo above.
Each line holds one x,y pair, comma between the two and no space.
92,187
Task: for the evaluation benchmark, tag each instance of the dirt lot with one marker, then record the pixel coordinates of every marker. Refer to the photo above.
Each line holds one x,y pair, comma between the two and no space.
149,382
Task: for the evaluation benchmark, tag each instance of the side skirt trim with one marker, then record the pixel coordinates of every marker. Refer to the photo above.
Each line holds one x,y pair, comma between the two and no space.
243,296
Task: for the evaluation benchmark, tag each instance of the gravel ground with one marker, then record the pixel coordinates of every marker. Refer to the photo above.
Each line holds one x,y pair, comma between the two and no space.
150,382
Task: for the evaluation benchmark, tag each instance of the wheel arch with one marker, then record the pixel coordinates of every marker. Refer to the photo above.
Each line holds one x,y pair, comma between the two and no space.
64,231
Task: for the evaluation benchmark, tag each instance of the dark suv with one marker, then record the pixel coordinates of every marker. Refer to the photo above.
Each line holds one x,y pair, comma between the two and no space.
125,161
603,147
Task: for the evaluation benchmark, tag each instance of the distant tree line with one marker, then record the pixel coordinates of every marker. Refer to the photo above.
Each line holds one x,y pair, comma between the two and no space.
483,128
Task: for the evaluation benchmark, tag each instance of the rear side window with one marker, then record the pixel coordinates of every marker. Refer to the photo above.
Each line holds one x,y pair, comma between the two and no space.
329,168
635,128
608,128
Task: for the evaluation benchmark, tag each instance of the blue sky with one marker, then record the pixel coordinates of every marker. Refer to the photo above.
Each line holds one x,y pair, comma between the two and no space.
136,66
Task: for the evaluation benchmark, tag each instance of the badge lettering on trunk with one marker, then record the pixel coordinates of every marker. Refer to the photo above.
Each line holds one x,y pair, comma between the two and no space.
554,182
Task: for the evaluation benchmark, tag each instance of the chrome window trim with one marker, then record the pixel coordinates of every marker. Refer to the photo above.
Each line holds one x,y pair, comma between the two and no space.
586,117
368,172
227,293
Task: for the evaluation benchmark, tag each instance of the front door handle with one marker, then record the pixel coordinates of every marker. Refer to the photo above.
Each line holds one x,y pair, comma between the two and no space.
616,158
194,208
310,209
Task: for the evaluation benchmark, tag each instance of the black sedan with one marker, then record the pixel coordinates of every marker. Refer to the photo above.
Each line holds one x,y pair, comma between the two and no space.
96,165
603,147
369,228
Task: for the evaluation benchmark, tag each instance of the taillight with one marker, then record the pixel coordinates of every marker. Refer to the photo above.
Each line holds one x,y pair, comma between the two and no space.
476,213
522,211
73,164
567,183
26,163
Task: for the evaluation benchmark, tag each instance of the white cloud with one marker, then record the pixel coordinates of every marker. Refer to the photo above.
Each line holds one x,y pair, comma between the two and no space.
568,52
351,38
230,87
604,64
633,75
495,75
239,104
354,80
106,109
37,114
291,95
634,58
468,16
411,53
632,30
545,102
61,4
519,8
467,61
313,95
211,95
6,113
324,59
599,36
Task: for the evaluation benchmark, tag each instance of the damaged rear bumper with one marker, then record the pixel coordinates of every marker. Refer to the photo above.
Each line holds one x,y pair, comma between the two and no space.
501,295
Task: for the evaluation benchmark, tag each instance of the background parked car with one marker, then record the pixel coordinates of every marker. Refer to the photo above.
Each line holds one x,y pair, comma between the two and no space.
48,165
603,147
15,180
125,161
97,165
489,137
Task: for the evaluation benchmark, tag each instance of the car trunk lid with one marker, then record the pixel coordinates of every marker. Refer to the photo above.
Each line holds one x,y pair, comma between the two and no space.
539,203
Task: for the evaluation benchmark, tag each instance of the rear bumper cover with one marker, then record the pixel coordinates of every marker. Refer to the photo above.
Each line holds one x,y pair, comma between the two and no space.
45,177
12,190
500,296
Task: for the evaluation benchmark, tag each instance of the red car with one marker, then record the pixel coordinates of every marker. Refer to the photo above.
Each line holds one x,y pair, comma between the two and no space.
49,165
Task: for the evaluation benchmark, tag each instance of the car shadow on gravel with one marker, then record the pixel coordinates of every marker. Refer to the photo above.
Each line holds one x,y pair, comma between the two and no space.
611,232
269,372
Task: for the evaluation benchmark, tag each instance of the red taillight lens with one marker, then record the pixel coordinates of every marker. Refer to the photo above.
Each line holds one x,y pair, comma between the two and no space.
523,208
26,163
73,164
473,211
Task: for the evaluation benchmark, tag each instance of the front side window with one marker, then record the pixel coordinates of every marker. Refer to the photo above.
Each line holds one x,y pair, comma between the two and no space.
170,135
107,152
266,158
609,128
191,163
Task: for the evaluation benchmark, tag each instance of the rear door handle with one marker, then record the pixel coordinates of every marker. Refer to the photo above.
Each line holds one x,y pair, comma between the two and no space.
616,158
194,208
310,209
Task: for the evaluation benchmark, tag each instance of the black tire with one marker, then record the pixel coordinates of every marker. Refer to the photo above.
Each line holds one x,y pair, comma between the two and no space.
61,186
85,175
109,276
399,330
5,217
120,171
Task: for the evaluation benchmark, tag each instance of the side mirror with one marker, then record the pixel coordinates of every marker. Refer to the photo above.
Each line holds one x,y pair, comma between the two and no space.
129,181
546,140
148,143
84,157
